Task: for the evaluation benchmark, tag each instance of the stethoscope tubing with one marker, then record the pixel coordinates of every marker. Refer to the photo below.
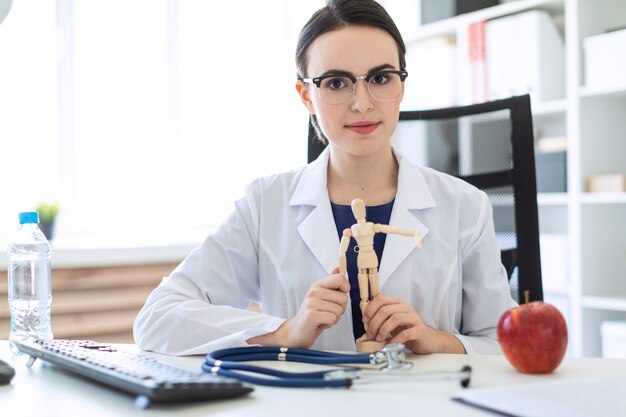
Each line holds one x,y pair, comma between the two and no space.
291,381
269,353
237,366
227,362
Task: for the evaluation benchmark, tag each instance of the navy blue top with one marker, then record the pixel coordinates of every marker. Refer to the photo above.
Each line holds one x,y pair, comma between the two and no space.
344,219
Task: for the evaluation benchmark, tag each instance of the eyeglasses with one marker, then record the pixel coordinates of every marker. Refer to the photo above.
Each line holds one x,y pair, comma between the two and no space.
339,87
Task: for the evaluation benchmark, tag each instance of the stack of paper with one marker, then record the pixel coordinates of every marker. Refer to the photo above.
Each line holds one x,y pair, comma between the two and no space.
588,397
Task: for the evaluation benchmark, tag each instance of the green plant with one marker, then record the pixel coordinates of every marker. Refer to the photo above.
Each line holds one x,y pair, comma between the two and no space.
47,211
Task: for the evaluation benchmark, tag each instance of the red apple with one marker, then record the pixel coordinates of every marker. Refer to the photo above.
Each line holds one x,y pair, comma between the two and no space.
533,337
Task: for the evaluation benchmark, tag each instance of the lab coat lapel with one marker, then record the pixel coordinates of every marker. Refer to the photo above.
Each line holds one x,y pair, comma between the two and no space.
318,229
412,196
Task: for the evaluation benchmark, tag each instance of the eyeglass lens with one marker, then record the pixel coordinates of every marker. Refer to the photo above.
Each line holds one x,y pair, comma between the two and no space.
382,87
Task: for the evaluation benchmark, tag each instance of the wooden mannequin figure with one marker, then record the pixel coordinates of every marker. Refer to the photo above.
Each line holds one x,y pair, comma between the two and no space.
367,262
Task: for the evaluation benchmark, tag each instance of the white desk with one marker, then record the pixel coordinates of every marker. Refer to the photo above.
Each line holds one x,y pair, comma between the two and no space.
45,391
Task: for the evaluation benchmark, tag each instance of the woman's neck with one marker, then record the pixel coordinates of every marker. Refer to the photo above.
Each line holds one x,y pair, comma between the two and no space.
374,178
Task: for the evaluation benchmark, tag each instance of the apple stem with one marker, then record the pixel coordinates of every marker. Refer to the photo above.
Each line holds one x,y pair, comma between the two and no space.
527,296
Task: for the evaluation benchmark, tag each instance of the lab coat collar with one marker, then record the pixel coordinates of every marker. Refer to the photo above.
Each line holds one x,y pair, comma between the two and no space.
318,229
312,188
413,195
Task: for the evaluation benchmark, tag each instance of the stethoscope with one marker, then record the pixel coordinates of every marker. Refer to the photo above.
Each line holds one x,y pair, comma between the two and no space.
228,362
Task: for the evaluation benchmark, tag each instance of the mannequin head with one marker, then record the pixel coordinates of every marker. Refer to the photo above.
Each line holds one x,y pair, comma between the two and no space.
358,209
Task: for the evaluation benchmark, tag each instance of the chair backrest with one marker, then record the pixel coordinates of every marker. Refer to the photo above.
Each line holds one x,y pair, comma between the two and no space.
489,145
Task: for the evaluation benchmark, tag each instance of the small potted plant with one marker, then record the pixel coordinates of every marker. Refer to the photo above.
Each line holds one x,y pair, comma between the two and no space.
47,216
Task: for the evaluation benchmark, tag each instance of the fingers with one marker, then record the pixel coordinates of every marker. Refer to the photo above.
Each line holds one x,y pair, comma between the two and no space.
379,302
330,295
334,282
311,321
391,320
322,308
316,305
399,325
386,316
405,337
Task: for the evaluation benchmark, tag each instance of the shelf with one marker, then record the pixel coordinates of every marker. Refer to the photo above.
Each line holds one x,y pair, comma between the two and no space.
549,293
84,251
592,120
552,199
603,198
550,108
604,303
543,199
448,27
445,28
615,92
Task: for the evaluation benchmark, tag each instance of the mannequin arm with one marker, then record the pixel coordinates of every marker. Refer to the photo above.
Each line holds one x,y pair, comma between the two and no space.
384,228
343,248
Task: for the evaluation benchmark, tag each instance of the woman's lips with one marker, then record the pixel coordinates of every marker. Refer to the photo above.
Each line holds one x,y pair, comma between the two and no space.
363,128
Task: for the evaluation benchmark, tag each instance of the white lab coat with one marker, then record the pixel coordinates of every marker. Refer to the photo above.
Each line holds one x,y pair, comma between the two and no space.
282,237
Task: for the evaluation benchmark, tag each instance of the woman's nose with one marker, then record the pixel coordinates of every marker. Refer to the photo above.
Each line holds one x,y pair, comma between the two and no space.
362,101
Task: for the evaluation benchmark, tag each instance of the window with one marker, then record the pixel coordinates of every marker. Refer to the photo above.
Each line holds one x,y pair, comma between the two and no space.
145,116
29,154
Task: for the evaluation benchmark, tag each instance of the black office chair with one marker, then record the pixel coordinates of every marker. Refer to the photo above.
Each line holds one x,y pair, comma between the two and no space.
489,145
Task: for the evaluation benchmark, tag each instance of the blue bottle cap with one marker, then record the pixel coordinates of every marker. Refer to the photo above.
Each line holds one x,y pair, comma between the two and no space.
29,217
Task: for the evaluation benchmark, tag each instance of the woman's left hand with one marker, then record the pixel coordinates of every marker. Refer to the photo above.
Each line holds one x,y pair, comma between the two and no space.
392,320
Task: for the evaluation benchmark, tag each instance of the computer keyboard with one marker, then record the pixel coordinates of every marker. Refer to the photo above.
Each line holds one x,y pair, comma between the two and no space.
151,380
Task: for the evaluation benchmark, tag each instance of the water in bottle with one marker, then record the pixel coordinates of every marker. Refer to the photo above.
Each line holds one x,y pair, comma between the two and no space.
30,290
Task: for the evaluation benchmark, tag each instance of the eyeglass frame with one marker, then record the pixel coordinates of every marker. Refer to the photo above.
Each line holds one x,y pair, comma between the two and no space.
354,78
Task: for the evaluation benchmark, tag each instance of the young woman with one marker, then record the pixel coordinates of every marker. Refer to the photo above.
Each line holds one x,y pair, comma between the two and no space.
280,246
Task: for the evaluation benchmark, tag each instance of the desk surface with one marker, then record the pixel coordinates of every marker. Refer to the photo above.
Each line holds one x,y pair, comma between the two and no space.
44,390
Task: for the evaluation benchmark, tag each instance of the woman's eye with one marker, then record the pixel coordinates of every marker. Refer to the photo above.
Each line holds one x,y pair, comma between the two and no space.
378,79
335,83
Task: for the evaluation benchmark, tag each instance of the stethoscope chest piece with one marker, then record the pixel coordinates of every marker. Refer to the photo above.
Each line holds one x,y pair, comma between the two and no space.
394,356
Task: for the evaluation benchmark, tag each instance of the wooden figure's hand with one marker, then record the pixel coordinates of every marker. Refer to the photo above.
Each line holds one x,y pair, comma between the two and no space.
391,320
418,239
321,308
343,247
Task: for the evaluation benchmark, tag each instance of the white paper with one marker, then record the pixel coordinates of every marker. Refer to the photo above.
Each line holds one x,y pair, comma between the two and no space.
585,397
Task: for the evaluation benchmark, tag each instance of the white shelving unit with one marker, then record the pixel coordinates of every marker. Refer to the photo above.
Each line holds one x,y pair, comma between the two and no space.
594,123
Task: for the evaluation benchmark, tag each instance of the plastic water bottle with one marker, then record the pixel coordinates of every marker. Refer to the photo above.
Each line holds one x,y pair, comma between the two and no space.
30,283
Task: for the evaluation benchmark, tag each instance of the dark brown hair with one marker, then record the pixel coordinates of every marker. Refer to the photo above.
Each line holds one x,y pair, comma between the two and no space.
339,14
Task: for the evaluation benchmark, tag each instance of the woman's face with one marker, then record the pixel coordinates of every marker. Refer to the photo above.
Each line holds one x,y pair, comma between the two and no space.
360,126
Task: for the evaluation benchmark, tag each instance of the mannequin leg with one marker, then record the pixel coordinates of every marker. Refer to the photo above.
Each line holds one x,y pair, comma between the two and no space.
363,291
364,343
374,282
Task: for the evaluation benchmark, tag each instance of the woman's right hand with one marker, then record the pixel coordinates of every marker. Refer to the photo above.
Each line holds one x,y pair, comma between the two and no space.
322,307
